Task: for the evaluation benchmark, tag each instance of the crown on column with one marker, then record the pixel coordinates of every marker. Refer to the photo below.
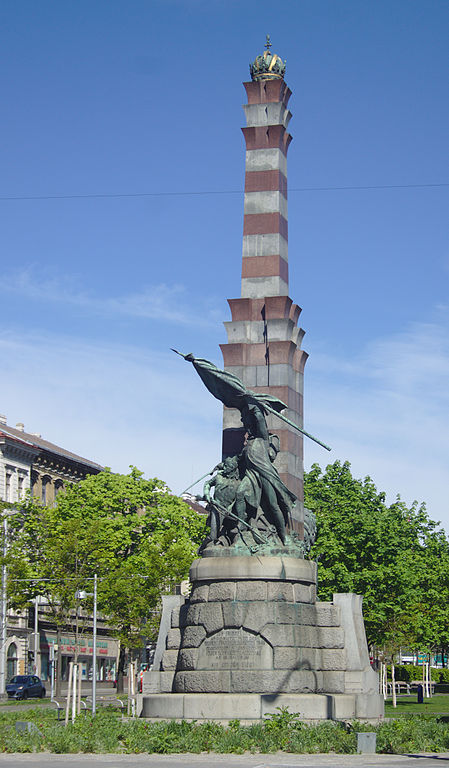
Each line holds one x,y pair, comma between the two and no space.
267,66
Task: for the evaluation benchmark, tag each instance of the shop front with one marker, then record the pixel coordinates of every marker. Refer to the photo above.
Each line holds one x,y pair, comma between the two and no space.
106,657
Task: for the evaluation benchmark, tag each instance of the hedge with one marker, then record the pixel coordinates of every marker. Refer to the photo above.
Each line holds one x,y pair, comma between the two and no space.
408,673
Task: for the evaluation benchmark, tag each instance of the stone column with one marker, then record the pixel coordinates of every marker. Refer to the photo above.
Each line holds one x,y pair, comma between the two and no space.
264,341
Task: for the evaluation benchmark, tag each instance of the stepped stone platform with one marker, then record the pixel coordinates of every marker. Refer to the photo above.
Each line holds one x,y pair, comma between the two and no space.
252,637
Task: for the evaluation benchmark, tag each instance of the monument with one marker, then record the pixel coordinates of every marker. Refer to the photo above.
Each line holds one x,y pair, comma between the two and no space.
252,637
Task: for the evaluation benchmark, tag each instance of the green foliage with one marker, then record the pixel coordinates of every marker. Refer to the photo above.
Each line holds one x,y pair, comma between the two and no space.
137,537
413,734
408,672
393,555
107,733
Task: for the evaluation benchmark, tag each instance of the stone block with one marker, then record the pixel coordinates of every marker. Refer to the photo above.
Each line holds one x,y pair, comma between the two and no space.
209,615
332,659
361,681
310,658
350,606
251,590
203,682
327,615
163,706
279,634
192,637
222,591
301,681
169,660
170,604
308,614
258,615
290,613
175,617
158,682
274,681
343,707
303,593
183,614
288,658
369,706
281,590
222,707
308,706
188,658
166,681
151,682
251,616
200,593
173,638
190,617
234,615
330,682
302,636
330,637
258,681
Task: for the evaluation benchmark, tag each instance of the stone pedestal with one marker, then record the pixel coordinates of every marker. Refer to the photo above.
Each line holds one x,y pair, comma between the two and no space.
252,638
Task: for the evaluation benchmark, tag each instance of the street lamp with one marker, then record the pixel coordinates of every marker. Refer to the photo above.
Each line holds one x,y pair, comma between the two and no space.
3,634
81,595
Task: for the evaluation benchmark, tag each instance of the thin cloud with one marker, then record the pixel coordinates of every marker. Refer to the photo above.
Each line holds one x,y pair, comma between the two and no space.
387,412
114,404
161,302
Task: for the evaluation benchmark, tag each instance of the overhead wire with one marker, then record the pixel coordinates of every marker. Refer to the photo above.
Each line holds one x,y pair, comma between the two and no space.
193,193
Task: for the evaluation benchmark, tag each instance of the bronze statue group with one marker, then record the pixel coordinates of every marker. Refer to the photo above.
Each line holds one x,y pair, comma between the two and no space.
248,503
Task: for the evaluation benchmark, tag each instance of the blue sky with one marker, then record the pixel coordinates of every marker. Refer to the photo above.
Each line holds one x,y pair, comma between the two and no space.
109,97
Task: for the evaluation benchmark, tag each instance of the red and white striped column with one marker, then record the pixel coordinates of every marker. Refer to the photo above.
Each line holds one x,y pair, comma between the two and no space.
264,341
265,228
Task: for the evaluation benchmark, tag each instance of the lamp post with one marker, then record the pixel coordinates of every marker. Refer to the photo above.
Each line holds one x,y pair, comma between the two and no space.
3,634
81,595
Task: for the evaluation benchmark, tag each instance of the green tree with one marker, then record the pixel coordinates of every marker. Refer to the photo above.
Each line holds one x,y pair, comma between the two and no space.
393,555
138,538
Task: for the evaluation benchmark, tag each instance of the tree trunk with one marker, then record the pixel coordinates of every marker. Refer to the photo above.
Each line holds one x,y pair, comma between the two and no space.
393,686
121,668
384,679
58,675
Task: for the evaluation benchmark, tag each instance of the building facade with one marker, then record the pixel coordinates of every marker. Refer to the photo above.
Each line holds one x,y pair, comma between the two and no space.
28,462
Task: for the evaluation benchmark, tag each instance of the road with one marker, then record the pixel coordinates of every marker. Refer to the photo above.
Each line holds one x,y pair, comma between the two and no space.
224,761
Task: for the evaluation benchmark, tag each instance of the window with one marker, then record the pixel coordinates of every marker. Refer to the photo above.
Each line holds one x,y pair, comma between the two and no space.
8,486
11,661
59,486
45,489
20,480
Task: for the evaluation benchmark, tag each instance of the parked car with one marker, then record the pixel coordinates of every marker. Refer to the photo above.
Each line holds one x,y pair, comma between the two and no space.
25,687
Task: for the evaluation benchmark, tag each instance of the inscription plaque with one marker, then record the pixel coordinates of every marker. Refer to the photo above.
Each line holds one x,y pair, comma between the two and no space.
235,649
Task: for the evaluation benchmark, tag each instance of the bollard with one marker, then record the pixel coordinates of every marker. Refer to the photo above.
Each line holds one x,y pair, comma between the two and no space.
366,743
420,694
25,726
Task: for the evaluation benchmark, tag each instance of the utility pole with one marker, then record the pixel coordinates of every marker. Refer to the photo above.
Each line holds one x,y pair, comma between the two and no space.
4,605
3,613
94,651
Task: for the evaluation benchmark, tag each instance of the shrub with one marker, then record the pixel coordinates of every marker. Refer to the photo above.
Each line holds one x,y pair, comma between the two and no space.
408,672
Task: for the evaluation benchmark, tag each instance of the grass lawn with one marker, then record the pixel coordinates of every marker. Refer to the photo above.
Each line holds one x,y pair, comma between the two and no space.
22,702
407,705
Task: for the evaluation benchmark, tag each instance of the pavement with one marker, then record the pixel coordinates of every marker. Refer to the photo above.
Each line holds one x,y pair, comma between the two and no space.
278,760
